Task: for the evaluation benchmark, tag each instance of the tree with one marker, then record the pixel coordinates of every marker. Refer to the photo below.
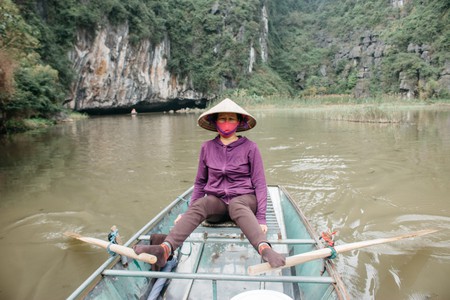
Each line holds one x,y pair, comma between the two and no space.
16,42
27,88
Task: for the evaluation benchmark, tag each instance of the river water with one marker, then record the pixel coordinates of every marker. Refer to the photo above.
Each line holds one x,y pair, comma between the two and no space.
364,180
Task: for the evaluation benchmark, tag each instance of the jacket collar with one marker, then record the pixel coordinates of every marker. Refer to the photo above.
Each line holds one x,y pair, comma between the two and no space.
240,141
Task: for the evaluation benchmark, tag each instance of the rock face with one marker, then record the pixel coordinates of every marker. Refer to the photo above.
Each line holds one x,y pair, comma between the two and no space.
114,76
364,58
444,80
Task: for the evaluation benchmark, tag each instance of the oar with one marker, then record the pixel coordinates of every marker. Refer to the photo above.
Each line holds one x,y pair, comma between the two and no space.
327,252
119,249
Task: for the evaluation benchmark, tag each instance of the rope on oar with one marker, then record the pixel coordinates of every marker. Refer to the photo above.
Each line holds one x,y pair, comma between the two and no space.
112,240
333,253
115,238
328,238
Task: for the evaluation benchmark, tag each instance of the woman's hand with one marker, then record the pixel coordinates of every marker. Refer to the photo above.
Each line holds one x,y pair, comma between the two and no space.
178,218
263,228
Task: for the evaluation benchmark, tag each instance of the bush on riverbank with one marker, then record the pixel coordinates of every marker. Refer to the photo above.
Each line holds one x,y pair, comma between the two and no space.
22,125
77,116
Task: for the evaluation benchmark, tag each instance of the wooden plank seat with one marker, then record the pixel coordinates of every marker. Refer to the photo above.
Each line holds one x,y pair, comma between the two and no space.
220,224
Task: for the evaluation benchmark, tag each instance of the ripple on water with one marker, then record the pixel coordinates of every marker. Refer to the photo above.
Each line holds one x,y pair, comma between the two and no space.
280,147
317,163
49,228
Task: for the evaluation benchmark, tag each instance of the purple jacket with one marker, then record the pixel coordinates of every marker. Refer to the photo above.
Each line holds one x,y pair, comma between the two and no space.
229,171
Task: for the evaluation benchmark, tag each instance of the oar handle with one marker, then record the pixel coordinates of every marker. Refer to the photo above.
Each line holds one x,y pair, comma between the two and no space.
291,261
122,250
326,252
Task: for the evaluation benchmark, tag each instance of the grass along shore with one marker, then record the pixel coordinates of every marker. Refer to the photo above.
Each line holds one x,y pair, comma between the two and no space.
387,109
22,125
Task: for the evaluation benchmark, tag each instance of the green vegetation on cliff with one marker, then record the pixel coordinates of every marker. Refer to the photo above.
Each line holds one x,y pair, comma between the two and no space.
323,46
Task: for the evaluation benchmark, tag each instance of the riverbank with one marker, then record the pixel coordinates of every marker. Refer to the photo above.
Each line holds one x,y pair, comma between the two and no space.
23,125
386,109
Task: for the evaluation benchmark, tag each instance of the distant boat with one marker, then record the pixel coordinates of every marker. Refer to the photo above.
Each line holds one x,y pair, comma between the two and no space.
133,112
213,262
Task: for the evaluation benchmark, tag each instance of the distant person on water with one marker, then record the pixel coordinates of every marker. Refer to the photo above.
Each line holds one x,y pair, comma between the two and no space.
230,184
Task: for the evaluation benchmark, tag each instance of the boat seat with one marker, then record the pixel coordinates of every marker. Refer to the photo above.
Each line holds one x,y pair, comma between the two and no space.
230,223
220,224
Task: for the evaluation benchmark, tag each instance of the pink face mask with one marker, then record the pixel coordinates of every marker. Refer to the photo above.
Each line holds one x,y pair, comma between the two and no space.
227,129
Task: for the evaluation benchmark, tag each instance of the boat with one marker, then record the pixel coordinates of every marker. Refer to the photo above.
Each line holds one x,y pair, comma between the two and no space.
213,262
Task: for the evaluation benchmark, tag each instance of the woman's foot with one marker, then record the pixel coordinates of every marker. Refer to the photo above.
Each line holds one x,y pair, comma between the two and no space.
274,258
161,252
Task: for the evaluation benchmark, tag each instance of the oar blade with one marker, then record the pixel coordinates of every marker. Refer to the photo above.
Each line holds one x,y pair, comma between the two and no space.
119,249
363,244
72,234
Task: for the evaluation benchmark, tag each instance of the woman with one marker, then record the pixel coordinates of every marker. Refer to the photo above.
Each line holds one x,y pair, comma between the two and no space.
230,184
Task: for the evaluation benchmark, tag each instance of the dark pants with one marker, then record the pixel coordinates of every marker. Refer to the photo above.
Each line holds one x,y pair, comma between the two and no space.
241,210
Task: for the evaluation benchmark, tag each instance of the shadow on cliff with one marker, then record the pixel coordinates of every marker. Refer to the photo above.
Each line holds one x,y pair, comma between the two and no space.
146,106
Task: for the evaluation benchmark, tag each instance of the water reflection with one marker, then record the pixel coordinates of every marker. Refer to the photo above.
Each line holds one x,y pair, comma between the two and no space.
365,180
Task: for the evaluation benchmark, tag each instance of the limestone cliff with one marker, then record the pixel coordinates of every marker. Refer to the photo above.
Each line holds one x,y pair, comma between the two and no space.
113,75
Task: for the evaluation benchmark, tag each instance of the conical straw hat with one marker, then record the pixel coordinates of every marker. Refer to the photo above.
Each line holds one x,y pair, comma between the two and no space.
226,105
